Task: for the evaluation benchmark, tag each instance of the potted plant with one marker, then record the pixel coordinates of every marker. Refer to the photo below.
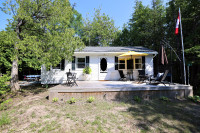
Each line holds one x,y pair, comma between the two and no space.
86,73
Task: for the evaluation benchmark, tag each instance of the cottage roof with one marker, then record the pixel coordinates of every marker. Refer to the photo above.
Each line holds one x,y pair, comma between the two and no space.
117,49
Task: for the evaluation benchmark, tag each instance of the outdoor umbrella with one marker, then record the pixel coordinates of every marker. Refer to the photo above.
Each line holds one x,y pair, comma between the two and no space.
132,53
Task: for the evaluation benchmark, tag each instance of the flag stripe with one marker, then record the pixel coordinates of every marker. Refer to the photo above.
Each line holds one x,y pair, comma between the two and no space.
177,24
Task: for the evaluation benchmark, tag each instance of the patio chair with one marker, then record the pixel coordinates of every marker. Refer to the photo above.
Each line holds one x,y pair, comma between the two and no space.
122,76
160,78
71,79
142,76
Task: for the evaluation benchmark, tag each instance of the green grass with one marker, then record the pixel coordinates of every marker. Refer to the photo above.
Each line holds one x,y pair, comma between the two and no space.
4,119
41,115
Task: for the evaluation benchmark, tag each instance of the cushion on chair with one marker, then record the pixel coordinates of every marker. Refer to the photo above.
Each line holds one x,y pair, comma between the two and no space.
159,76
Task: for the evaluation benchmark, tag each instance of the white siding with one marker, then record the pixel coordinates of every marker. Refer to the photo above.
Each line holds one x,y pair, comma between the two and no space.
58,76
149,65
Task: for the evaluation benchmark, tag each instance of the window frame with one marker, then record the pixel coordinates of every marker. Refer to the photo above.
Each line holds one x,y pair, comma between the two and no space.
137,63
77,63
60,66
56,68
127,64
134,63
121,63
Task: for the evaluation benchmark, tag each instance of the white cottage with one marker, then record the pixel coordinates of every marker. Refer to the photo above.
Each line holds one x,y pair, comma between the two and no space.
104,62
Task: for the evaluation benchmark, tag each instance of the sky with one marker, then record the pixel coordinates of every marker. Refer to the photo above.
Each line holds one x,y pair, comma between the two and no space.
119,10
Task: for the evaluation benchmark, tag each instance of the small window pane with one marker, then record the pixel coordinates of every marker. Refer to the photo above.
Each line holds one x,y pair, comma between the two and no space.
138,66
121,61
81,60
81,65
58,66
129,64
121,66
139,60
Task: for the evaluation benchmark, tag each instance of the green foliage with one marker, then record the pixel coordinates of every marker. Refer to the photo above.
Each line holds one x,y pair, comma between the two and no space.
195,98
146,26
55,99
163,98
87,70
101,31
5,105
4,119
40,35
137,99
46,86
3,84
77,22
72,100
6,49
191,34
90,99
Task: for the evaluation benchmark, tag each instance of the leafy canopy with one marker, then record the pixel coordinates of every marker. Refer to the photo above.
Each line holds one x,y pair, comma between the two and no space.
101,31
42,31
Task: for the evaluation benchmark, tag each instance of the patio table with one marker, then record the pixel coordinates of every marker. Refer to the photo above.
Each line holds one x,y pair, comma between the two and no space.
130,75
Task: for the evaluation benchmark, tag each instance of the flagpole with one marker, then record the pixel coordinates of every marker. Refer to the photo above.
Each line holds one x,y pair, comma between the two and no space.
182,47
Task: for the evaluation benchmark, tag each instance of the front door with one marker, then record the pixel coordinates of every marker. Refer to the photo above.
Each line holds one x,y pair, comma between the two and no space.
103,68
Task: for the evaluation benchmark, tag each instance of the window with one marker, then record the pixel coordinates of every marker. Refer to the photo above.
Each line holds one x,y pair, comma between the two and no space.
130,64
122,64
80,62
138,63
61,65
58,66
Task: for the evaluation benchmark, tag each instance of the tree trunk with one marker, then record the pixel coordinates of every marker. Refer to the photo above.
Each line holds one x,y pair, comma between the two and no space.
14,76
14,72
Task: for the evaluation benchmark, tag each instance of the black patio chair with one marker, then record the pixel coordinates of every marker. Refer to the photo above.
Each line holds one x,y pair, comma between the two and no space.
71,79
142,76
160,78
122,76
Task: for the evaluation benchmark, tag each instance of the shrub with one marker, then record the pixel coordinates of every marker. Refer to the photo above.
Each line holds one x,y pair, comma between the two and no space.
5,105
90,99
163,98
195,98
137,99
72,100
87,70
3,85
55,99
46,86
4,119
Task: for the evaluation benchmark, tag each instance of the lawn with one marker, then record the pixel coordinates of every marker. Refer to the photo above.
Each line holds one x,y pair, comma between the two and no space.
30,111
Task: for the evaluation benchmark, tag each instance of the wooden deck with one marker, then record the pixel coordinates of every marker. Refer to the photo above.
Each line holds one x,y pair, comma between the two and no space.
118,90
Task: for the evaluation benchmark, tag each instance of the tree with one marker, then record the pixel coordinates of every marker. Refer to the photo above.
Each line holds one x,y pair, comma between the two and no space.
41,33
147,25
76,22
140,25
99,32
123,37
191,33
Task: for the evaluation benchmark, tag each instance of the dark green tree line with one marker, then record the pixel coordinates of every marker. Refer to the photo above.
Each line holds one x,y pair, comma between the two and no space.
154,26
191,34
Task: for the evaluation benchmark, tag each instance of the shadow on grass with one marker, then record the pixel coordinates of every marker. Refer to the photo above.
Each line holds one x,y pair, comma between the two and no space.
35,88
162,116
